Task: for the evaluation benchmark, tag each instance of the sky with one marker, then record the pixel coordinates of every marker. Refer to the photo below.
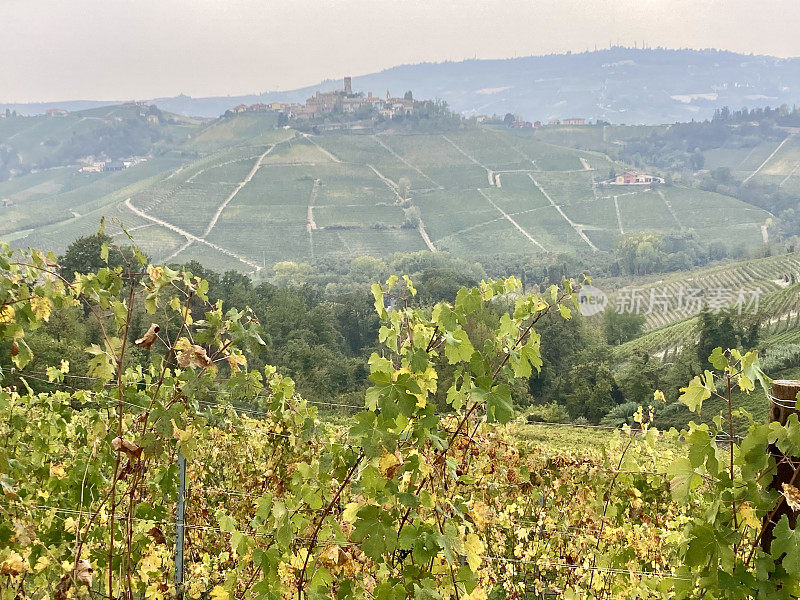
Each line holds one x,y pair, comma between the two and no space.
53,50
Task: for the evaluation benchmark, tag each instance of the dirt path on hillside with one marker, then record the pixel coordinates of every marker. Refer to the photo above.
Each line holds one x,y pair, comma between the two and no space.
489,173
328,153
421,224
619,217
578,228
585,163
190,237
769,158
671,210
311,224
789,176
404,161
239,187
512,221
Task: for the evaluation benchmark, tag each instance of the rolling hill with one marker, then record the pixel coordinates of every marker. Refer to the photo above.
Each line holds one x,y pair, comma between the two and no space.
241,194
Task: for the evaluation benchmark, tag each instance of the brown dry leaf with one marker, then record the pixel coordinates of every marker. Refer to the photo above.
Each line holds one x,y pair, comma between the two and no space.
236,361
157,535
122,445
14,348
83,572
388,465
150,336
792,495
13,565
193,355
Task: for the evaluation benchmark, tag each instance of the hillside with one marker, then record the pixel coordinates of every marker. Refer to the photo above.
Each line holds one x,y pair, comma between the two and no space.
256,195
114,132
621,85
768,286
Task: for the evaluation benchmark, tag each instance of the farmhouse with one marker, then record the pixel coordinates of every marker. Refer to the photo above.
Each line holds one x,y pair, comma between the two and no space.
521,125
152,119
633,178
575,121
56,112
6,202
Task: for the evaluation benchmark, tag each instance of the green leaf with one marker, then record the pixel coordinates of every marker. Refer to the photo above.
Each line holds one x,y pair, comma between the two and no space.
499,406
458,348
683,478
694,394
24,354
787,541
718,359
703,545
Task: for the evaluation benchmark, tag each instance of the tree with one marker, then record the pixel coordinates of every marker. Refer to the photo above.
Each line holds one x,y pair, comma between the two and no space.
84,255
619,327
288,272
508,119
403,187
593,391
408,95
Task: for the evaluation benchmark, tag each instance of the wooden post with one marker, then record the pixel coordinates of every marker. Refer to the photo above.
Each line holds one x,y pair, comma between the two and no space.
782,404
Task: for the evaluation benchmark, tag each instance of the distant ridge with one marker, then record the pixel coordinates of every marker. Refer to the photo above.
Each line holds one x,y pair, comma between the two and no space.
621,85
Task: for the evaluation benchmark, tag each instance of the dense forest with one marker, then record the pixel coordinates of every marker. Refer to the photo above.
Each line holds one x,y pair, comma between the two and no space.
320,328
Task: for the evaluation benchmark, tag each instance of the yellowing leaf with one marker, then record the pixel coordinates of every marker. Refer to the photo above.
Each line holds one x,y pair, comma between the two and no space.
474,548
388,465
748,516
7,314
477,594
13,565
70,525
41,308
219,593
180,434
694,394
41,564
58,471
350,511
236,361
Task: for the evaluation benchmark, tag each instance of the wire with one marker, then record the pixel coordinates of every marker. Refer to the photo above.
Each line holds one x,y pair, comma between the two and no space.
782,402
584,567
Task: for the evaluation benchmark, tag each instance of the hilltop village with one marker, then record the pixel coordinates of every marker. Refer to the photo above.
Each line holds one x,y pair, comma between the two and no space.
342,102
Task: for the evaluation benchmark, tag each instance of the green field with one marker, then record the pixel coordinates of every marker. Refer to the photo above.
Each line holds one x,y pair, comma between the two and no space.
240,193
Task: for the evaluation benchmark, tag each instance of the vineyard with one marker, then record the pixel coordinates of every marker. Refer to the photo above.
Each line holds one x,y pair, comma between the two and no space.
766,287
240,194
170,468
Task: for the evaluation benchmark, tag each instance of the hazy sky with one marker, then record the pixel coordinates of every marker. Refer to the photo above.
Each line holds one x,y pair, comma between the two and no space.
124,49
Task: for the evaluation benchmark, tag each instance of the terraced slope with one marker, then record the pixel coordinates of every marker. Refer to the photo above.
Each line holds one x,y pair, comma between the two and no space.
241,194
769,285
